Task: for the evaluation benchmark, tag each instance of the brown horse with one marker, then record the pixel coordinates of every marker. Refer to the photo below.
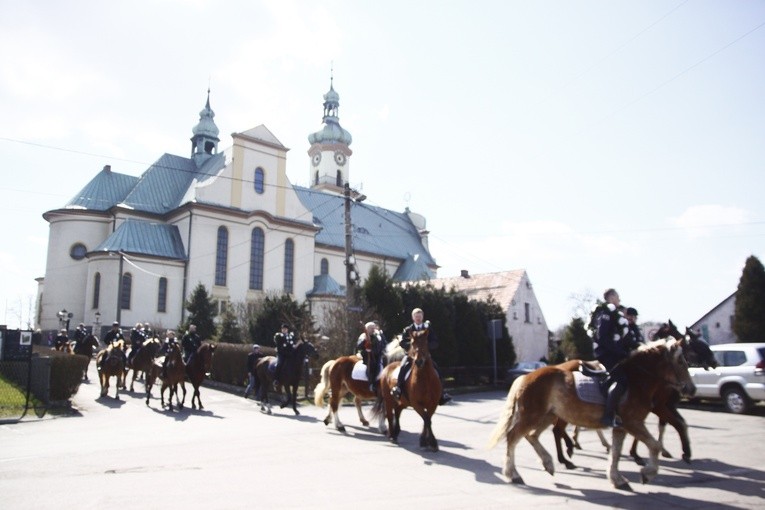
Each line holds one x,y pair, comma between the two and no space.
110,362
175,375
199,365
535,402
291,373
86,348
336,376
423,391
143,360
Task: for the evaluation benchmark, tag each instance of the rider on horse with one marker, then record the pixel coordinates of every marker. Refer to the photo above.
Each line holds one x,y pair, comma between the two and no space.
137,338
80,334
61,340
370,347
113,335
406,364
285,347
190,343
612,343
170,341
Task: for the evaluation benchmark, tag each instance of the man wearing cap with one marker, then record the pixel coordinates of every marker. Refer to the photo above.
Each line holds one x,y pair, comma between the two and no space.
285,347
252,363
635,339
370,347
61,340
170,341
190,343
113,335
137,338
80,334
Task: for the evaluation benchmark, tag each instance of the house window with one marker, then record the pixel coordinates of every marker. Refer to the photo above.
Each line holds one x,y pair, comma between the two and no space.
324,266
259,180
289,265
162,295
127,287
527,311
257,250
96,289
221,257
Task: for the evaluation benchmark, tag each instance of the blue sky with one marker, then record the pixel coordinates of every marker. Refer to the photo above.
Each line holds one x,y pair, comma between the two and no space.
595,143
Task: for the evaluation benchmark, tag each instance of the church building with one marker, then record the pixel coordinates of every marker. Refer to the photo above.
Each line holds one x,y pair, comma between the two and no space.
132,249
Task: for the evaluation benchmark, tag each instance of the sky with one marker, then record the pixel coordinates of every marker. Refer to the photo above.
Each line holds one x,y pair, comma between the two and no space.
594,144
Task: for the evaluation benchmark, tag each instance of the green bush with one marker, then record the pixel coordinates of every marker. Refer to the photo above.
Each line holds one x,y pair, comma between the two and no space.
65,372
230,362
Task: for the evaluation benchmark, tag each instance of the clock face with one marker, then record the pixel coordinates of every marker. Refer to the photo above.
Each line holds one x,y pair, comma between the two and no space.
316,159
340,158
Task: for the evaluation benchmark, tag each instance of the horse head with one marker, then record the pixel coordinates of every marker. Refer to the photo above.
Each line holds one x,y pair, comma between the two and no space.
206,352
698,352
676,355
419,350
307,350
666,330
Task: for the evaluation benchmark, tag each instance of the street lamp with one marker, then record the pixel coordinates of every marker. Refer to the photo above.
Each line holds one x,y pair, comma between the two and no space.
63,318
97,324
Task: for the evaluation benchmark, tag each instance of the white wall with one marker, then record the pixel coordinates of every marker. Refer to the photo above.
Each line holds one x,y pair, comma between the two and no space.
529,338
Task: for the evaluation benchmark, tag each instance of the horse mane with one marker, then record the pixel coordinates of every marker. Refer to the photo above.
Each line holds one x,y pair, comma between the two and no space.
394,351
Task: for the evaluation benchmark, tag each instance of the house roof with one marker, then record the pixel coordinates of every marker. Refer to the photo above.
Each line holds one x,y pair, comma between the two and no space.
145,238
714,309
325,285
501,286
376,230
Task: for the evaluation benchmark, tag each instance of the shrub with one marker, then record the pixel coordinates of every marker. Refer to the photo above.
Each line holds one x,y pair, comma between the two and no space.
65,372
230,362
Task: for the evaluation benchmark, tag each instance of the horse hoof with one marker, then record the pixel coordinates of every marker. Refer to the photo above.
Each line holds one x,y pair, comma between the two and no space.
517,480
687,459
640,461
269,412
625,487
341,429
570,465
365,423
297,413
666,454
326,420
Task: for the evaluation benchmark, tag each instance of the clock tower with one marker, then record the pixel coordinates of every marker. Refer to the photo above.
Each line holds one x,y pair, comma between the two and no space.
329,151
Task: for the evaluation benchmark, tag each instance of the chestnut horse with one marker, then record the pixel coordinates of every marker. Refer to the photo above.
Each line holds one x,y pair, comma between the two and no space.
110,362
422,391
199,365
339,380
290,375
536,401
143,360
175,375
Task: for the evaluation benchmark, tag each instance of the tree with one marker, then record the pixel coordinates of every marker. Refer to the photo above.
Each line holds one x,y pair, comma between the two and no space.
274,310
749,315
202,312
229,328
575,342
382,297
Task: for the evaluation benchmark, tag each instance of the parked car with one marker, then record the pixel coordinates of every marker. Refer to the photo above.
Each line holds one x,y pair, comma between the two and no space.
739,380
522,368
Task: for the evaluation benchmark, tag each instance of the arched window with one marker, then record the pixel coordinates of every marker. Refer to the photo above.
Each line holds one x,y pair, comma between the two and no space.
259,180
316,178
162,295
324,266
96,289
221,257
339,178
257,251
127,287
289,265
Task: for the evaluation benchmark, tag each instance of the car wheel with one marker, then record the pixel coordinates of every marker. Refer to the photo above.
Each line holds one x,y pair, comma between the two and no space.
736,401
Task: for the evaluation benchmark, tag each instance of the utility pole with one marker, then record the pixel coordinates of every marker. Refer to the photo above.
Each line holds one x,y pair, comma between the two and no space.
351,270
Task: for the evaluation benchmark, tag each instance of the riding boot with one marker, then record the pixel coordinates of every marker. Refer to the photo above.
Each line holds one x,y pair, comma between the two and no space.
406,365
615,394
277,374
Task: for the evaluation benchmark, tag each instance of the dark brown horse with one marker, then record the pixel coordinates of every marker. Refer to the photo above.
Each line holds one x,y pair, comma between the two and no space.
143,360
290,375
175,374
86,348
198,367
423,391
537,400
110,362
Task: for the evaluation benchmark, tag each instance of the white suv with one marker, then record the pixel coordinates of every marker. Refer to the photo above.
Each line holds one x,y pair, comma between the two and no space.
739,380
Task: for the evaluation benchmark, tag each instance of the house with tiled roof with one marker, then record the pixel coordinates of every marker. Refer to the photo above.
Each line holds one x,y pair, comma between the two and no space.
513,291
716,326
132,249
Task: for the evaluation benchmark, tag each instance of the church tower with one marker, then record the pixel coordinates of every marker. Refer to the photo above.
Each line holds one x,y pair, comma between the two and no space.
329,151
204,143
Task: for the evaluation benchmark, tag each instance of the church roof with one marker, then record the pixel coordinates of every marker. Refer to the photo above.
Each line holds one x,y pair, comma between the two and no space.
262,133
325,285
414,268
104,191
145,238
502,286
376,230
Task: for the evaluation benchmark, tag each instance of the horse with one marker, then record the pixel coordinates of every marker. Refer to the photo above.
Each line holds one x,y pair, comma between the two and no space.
65,347
198,366
175,375
422,392
341,382
143,360
541,397
110,362
86,348
291,371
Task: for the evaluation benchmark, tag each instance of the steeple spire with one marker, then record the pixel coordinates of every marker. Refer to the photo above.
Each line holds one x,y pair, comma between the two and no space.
204,143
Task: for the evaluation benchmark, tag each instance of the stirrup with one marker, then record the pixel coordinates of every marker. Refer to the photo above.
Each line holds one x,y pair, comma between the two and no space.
396,392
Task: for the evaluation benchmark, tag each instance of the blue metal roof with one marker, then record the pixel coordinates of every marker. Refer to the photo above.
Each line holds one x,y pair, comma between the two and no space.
325,285
376,230
145,238
104,191
413,269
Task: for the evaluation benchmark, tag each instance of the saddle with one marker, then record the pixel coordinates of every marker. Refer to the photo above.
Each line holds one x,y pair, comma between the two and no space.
592,381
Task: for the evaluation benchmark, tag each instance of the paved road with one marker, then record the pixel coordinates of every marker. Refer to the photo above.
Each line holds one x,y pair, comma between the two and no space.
121,454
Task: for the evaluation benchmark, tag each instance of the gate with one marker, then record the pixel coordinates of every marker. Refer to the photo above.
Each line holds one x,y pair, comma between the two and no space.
15,375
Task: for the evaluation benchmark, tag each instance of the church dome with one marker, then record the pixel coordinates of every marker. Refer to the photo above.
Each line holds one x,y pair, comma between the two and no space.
206,126
331,133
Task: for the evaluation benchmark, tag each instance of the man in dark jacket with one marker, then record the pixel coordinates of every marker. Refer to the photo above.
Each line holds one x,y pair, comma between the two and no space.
285,347
252,363
370,347
190,343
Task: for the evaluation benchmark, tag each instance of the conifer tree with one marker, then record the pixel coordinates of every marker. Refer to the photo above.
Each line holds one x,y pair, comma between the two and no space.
575,343
202,311
749,315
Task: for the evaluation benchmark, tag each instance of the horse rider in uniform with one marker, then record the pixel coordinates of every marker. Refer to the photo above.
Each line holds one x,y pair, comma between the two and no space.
147,331
80,334
61,340
285,348
137,338
612,343
418,324
111,336
370,347
631,315
190,343
167,345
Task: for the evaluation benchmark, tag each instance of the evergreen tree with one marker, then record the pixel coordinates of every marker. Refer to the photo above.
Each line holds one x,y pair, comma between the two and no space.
202,311
576,343
382,297
229,328
275,310
749,315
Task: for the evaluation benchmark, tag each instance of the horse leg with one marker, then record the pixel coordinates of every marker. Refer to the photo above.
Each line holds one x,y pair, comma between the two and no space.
117,388
575,440
640,461
617,441
679,423
294,399
559,431
183,387
533,438
428,439
357,403
603,440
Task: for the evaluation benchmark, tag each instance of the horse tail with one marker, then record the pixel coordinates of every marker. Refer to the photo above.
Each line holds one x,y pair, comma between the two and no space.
507,416
394,351
323,387
378,408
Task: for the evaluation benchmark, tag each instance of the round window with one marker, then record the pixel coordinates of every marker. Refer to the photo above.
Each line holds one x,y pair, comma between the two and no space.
78,251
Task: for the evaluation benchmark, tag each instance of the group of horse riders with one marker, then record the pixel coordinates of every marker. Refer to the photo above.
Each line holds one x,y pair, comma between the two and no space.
615,334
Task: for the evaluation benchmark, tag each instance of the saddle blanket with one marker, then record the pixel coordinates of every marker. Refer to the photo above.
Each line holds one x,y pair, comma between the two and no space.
359,372
588,389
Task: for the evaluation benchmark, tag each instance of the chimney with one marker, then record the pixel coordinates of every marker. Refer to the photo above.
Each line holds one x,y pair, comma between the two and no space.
107,168
464,273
